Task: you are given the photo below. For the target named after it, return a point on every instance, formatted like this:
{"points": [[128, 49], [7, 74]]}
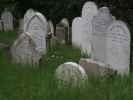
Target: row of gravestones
{"points": [[103, 38], [34, 35], [96, 32], [6, 22]]}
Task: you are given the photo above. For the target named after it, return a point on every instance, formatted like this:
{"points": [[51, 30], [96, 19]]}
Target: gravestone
{"points": [[100, 24], [37, 27], [29, 13], [60, 34], [1, 28], [62, 31], [95, 68], [89, 10], [118, 47], [24, 51], [77, 32], [7, 19], [70, 74], [51, 35]]}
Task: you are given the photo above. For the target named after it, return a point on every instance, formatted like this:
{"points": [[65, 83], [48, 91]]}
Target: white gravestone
{"points": [[118, 47], [71, 74], [77, 32], [23, 50], [7, 19], [29, 13], [37, 26], [100, 24], [89, 10]]}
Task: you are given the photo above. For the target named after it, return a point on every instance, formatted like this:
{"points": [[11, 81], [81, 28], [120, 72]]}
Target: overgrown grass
{"points": [[26, 83], [7, 37]]}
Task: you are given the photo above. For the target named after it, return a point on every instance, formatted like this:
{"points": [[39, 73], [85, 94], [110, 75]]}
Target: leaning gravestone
{"points": [[24, 51], [118, 47], [7, 19], [29, 13], [77, 32], [37, 26], [89, 10], [100, 24], [70, 74]]}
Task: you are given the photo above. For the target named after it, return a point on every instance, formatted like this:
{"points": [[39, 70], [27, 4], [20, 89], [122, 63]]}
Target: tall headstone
{"points": [[37, 26], [29, 13], [77, 32], [7, 19], [118, 47], [89, 10], [100, 24]]}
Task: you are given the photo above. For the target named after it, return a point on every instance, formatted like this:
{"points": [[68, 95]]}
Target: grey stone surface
{"points": [[29, 13], [89, 10], [77, 31], [95, 68], [37, 27], [100, 24], [118, 47], [7, 19], [24, 51], [71, 74]]}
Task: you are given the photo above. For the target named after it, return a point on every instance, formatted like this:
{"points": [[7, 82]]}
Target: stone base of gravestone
{"points": [[70, 75], [94, 68]]}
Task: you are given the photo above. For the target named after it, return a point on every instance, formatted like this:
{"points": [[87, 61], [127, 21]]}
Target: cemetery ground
{"points": [[19, 82]]}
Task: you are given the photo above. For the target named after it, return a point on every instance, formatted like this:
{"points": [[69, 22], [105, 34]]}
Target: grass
{"points": [[26, 83]]}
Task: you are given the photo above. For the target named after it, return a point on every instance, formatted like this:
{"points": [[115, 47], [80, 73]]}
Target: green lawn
{"points": [[26, 83]]}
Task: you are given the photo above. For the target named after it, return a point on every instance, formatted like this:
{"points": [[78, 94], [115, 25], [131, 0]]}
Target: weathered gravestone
{"points": [[100, 24], [70, 74], [118, 47], [89, 10], [62, 31], [95, 68], [7, 19], [29, 13], [24, 50], [37, 26], [51, 39], [1, 28], [77, 31]]}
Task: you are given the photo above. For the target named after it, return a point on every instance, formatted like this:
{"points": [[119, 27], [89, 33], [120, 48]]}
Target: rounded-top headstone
{"points": [[89, 9], [71, 74], [100, 24], [29, 13], [118, 47], [77, 32], [37, 26]]}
